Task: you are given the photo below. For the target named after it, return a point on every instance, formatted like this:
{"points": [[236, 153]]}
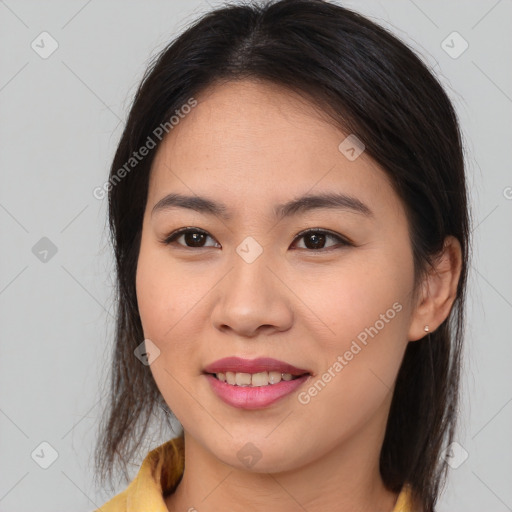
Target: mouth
{"points": [[255, 379], [253, 372], [263, 382]]}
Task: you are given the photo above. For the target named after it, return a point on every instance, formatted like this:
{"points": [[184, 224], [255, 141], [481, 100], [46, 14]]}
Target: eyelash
{"points": [[343, 240]]}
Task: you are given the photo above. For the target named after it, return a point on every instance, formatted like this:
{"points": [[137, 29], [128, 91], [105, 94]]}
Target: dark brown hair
{"points": [[371, 85]]}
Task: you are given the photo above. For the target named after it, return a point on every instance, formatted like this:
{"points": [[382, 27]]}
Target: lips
{"points": [[262, 364]]}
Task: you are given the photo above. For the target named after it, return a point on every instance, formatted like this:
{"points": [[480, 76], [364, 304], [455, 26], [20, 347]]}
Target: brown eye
{"points": [[315, 239], [192, 237]]}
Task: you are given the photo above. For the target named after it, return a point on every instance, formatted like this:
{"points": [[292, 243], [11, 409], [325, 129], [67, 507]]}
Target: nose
{"points": [[253, 298]]}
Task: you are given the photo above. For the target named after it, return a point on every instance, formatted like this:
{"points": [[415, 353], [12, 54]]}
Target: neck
{"points": [[345, 478]]}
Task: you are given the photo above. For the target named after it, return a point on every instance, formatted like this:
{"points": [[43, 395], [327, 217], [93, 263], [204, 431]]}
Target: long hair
{"points": [[371, 85]]}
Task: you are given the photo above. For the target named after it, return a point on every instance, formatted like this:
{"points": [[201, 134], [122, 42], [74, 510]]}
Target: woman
{"points": [[289, 217]]}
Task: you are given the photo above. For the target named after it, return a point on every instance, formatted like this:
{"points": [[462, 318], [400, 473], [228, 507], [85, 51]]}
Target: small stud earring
{"points": [[426, 328]]}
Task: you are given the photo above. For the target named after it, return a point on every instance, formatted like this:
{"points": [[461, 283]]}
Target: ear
{"points": [[439, 289]]}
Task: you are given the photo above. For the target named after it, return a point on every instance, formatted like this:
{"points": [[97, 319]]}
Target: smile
{"points": [[254, 379], [249, 396]]}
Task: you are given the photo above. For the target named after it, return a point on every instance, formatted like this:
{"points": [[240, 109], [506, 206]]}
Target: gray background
{"points": [[60, 119]]}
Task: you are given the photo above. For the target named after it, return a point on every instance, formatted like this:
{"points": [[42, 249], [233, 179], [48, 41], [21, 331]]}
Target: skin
{"points": [[252, 145]]}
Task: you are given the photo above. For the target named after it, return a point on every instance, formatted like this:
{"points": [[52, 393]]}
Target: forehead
{"points": [[250, 143]]}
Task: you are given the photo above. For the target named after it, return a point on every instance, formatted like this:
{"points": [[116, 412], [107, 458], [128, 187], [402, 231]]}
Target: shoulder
{"points": [[158, 475], [117, 504], [405, 501]]}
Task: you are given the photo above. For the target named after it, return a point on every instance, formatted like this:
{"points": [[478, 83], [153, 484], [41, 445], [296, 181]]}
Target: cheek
{"points": [[163, 300], [364, 312], [165, 295], [166, 306], [358, 373], [172, 307], [366, 292], [155, 310]]}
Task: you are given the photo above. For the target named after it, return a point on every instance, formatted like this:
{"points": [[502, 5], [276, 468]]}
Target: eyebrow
{"points": [[328, 200]]}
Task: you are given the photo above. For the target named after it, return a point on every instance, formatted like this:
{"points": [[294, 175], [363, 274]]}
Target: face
{"points": [[327, 289]]}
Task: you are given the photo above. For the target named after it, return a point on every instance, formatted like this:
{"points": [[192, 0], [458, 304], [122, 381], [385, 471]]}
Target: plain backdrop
{"points": [[61, 115]]}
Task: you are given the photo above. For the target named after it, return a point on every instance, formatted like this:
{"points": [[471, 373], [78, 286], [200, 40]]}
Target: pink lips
{"points": [[258, 397]]}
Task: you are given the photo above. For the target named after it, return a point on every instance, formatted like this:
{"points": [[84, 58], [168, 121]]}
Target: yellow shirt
{"points": [[161, 472]]}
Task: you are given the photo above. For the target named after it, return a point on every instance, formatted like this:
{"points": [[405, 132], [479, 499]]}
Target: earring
{"points": [[426, 328]]}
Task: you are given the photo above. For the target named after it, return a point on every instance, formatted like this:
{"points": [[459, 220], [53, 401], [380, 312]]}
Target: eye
{"points": [[194, 236], [315, 239]]}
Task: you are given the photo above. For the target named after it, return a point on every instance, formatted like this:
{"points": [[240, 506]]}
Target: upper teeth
{"points": [[254, 379]]}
